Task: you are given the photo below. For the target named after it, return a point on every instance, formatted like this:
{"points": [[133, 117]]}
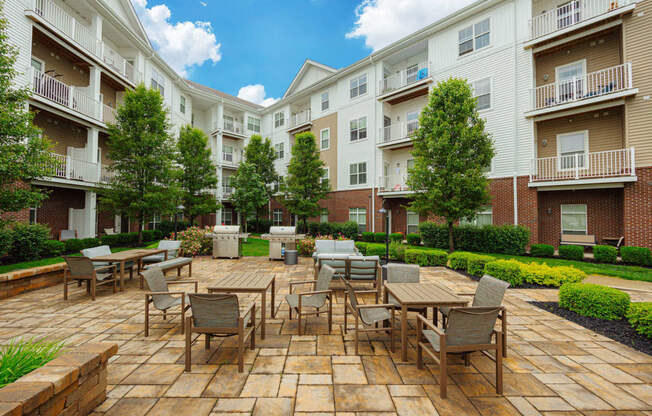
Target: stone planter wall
{"points": [[15, 283], [72, 384]]}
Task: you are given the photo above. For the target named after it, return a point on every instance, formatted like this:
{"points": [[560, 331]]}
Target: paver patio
{"points": [[554, 367]]}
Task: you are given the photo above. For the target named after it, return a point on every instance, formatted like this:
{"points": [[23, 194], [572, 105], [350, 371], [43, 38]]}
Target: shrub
{"points": [[506, 239], [396, 237], [605, 254], [110, 240], [458, 260], [426, 257], [379, 237], [542, 250], [195, 241], [349, 229], [6, 238], [507, 270], [542, 274], [376, 250], [636, 255], [592, 300], [571, 252], [149, 235], [414, 239], [639, 316], [23, 356], [90, 242], [477, 263], [306, 246], [368, 236], [397, 251], [127, 239], [74, 245], [52, 248], [362, 247], [27, 241], [167, 227]]}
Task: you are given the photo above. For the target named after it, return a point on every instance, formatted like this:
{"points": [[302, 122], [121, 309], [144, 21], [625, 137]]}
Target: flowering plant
{"points": [[194, 241]]}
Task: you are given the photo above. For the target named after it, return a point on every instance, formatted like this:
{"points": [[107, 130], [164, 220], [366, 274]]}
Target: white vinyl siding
{"points": [[573, 219], [358, 173], [358, 86]]}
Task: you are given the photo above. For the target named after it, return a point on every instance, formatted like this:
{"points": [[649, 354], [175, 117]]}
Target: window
{"points": [[573, 219], [572, 150], [358, 86], [412, 122], [182, 105], [325, 139], [411, 73], [323, 216], [279, 119], [568, 14], [253, 124], [569, 80], [227, 217], [155, 222], [228, 123], [32, 215], [325, 103], [359, 215], [482, 93], [227, 153], [277, 216], [38, 64], [358, 129], [158, 82], [358, 173], [279, 152], [277, 184], [482, 217], [325, 175], [412, 222], [474, 37]]}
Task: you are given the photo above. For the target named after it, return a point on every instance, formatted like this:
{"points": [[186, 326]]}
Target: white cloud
{"points": [[381, 22], [256, 94], [182, 44], [203, 3]]}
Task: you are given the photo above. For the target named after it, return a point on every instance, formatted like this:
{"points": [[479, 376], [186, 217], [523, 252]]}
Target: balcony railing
{"points": [[300, 118], [109, 114], [227, 191], [570, 14], [74, 169], [393, 183], [404, 78], [397, 132], [595, 84], [230, 159], [63, 94], [610, 163], [106, 175]]}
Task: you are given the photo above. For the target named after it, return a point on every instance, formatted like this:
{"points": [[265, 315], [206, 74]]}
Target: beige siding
{"points": [[109, 94], [61, 132], [59, 60], [328, 156], [103, 144]]}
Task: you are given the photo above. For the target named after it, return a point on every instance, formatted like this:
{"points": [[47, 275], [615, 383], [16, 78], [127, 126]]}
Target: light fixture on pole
{"points": [[180, 208], [384, 212]]}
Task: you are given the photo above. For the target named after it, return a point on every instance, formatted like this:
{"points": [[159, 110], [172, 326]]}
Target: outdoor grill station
{"points": [[281, 239], [227, 241]]}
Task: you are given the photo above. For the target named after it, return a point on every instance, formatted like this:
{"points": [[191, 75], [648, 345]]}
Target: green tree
{"points": [[304, 188], [197, 173], [249, 191], [452, 153], [24, 151], [260, 154], [142, 153]]}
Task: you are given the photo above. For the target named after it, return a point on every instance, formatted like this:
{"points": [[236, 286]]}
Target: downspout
{"points": [[373, 179], [515, 180]]}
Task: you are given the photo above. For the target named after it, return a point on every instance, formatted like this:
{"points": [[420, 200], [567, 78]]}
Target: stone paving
{"points": [[554, 367]]}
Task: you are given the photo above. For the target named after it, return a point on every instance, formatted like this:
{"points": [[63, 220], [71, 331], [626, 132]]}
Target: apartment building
{"points": [[564, 88]]}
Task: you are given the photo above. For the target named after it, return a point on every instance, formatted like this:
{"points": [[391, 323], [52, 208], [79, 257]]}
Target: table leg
{"points": [[404, 329], [385, 301], [122, 276], [263, 311], [273, 300]]}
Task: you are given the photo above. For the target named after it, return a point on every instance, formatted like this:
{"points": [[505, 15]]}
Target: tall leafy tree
{"points": [[260, 153], [452, 153], [197, 175], [304, 188], [249, 191], [142, 152], [24, 151]]}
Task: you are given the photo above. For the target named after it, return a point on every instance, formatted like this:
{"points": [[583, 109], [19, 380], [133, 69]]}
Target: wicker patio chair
{"points": [[468, 329], [315, 299], [82, 269], [219, 315], [404, 273], [370, 315], [162, 298], [105, 250], [489, 292]]}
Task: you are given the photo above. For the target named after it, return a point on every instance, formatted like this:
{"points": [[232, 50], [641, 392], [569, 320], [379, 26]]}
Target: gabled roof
{"points": [[125, 14], [305, 68], [223, 94]]}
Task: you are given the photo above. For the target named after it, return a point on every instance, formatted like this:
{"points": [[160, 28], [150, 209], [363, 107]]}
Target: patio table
{"points": [[419, 295], [250, 282], [123, 257]]}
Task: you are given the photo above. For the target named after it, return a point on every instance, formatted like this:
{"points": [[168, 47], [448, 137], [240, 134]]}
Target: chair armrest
{"points": [[108, 266], [164, 293], [377, 305], [181, 282], [365, 291], [317, 292], [430, 325], [247, 315], [302, 282]]}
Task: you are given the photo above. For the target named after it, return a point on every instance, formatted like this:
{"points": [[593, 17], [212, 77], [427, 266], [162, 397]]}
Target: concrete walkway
{"points": [[639, 290]]}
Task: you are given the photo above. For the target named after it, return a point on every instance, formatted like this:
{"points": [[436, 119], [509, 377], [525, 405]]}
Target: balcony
{"points": [[603, 85], [230, 160], [109, 114], [72, 97], [300, 120], [573, 15], [393, 185], [596, 167], [74, 169], [408, 81], [106, 175], [227, 191], [397, 135]]}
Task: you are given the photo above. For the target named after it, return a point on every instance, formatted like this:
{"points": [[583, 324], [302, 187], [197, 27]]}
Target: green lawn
{"points": [[255, 247]]}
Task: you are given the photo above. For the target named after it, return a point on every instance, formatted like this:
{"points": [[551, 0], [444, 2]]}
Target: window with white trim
{"points": [[279, 119], [227, 153], [279, 151], [412, 120], [482, 93], [227, 216], [482, 217], [573, 219], [325, 139], [38, 64], [155, 222], [33, 215], [412, 222], [358, 86], [182, 104], [359, 215], [358, 129], [323, 215], [325, 101], [228, 123], [158, 82], [325, 175], [253, 124], [358, 173], [277, 217], [474, 37], [572, 149]]}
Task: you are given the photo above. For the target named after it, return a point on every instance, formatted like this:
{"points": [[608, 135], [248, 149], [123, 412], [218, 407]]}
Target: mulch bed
{"points": [[619, 331]]}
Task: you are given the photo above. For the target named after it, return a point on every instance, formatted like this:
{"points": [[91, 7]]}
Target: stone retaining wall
{"points": [[72, 384], [15, 283]]}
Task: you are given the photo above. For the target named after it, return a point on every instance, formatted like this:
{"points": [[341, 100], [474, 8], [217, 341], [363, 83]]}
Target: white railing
{"points": [[404, 78], [106, 175], [233, 127], [109, 114], [570, 14], [393, 183], [63, 94], [114, 59], [397, 131], [604, 164], [595, 84], [230, 159], [302, 117], [74, 169], [227, 191]]}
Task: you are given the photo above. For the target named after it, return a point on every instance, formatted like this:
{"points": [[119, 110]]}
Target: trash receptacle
{"points": [[291, 257]]}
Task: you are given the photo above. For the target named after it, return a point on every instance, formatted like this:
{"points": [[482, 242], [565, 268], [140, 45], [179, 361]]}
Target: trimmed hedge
{"points": [[605, 254], [595, 301], [571, 252], [379, 237], [396, 237], [348, 229], [6, 239], [477, 263], [458, 260], [27, 241], [542, 274], [52, 248], [639, 316], [426, 257], [90, 242], [397, 251], [414, 239], [507, 270], [542, 250], [507, 239], [74, 245], [636, 255], [368, 236], [362, 247], [375, 250]]}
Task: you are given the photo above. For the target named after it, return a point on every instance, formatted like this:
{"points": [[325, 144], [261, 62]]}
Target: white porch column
{"points": [[92, 143], [90, 214], [96, 30], [95, 79], [220, 115]]}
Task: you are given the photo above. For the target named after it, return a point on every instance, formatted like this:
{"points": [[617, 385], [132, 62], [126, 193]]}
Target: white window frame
{"points": [[33, 210], [474, 37], [229, 122], [321, 138], [154, 222], [407, 122], [224, 216], [323, 215], [327, 176], [356, 80], [585, 213], [358, 129], [40, 61], [491, 87], [227, 156], [584, 162], [182, 104], [277, 217], [253, 122], [279, 151], [485, 210], [157, 82], [558, 83], [358, 173], [326, 101], [279, 119], [354, 215], [409, 214]]}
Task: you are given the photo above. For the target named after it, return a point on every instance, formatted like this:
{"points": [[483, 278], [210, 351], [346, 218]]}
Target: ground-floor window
{"points": [[277, 217], [154, 223], [32, 215], [573, 219], [412, 222], [482, 217], [359, 215], [227, 217], [323, 216]]}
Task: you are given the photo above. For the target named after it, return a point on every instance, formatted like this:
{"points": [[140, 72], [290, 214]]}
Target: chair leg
{"points": [[356, 334], [443, 381], [207, 342], [504, 332], [346, 309], [467, 358], [65, 285], [330, 315], [240, 353], [93, 287], [189, 269], [183, 318], [146, 316], [299, 321], [188, 342], [391, 333], [178, 271], [419, 347], [499, 366], [115, 284]]}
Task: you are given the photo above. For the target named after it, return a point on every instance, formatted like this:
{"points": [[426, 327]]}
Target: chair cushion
{"points": [[445, 310], [345, 246], [171, 263], [168, 301], [154, 258], [372, 315], [433, 338], [313, 301], [97, 251], [324, 246]]}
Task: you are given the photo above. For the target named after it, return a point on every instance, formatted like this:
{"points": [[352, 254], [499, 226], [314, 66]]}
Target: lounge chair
{"points": [[162, 299], [315, 299], [82, 269]]}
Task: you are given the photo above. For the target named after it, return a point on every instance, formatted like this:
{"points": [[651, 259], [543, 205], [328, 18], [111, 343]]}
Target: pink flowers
{"points": [[195, 241]]}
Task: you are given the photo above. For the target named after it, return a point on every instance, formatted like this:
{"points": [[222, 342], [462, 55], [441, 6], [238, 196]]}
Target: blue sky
{"points": [[253, 48]]}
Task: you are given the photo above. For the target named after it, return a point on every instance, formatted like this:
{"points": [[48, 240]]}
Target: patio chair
{"points": [[404, 273], [315, 299], [82, 269], [172, 247], [109, 231], [370, 315], [162, 298], [67, 235], [490, 293], [468, 329], [365, 269], [219, 315], [106, 251]]}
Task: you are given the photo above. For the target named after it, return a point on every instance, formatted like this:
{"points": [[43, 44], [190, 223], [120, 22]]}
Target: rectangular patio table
{"points": [[419, 295], [249, 282], [123, 257]]}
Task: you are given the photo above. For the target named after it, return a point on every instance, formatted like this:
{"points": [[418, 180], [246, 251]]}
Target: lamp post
{"points": [[384, 212], [180, 208]]}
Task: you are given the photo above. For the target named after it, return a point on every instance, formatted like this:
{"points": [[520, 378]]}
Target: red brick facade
{"points": [[54, 211], [637, 211]]}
